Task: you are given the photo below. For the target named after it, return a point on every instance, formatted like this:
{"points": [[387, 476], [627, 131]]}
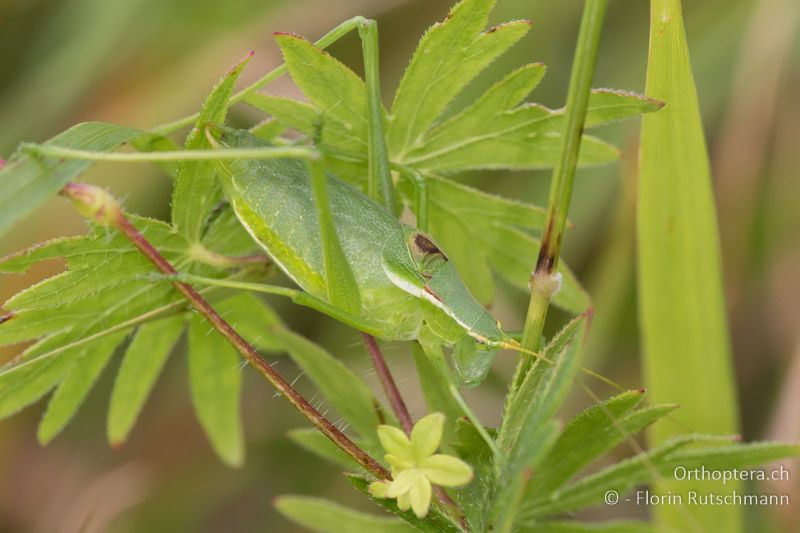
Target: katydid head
{"points": [[427, 256]]}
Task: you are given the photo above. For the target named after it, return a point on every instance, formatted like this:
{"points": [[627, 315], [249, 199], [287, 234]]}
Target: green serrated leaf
{"points": [[268, 129], [104, 268], [337, 383], [544, 386], [298, 115], [435, 378], [254, 320], [312, 440], [620, 477], [215, 378], [434, 522], [592, 433], [534, 443], [490, 108], [196, 186], [448, 57], [338, 93], [76, 385], [28, 180], [322, 515], [141, 366], [610, 105], [25, 383], [514, 152], [62, 247]]}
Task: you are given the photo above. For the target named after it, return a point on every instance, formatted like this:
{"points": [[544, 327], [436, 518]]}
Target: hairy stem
{"points": [[326, 40], [388, 383], [544, 279], [92, 200]]}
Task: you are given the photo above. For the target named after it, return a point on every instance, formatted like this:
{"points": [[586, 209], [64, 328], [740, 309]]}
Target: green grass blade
{"points": [[76, 385], [196, 187], [144, 359], [29, 180], [215, 379], [682, 312], [318, 514]]}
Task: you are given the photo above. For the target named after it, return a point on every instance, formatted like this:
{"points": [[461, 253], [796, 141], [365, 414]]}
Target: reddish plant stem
{"points": [[111, 214], [388, 383], [401, 412]]}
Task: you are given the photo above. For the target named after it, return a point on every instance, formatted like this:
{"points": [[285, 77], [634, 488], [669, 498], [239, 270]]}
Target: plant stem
{"points": [[271, 152], [380, 184], [545, 280], [326, 40], [86, 196], [388, 383]]}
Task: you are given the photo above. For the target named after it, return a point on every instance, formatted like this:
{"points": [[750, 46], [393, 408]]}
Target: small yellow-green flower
{"points": [[415, 465]]}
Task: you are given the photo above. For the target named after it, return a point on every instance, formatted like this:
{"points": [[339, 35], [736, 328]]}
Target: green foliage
{"points": [[459, 216], [680, 277], [338, 384], [29, 180], [196, 186], [399, 283], [215, 380], [322, 515], [144, 359]]}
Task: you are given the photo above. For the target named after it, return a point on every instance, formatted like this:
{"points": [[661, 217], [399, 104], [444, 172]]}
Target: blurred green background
{"points": [[144, 62]]}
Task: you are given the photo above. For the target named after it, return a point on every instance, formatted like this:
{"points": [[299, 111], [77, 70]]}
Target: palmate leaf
{"points": [[28, 180], [448, 57], [82, 314]]}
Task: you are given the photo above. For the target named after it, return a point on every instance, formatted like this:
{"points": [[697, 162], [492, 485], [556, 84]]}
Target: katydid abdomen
{"points": [[404, 280]]}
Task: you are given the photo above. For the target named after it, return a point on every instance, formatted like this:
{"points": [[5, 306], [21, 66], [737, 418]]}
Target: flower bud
{"points": [[94, 203]]}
